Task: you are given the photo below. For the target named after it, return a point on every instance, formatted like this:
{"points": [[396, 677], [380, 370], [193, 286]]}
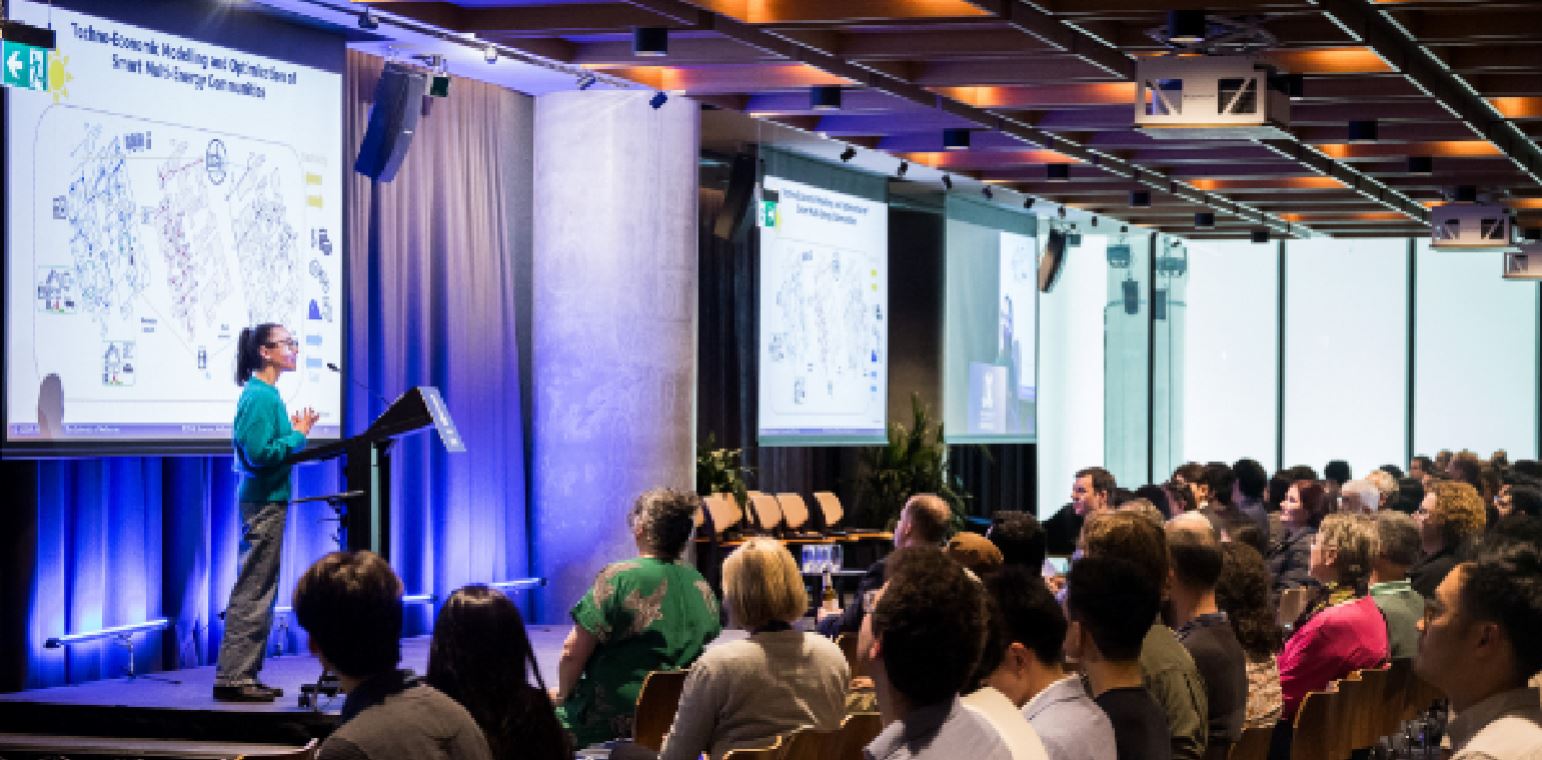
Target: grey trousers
{"points": [[249, 615]]}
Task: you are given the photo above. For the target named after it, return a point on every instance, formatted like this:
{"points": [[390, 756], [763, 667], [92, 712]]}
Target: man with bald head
{"points": [[923, 521], [1194, 568]]}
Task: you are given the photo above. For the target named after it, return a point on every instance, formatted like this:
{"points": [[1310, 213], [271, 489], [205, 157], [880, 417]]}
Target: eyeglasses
{"points": [[292, 343]]}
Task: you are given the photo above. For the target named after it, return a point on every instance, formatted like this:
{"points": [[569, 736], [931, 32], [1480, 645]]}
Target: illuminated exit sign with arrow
{"points": [[24, 55]]}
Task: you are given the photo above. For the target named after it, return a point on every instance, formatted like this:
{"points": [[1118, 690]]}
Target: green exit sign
{"points": [[24, 55]]}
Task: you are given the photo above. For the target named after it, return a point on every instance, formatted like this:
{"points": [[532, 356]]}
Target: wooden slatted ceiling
{"points": [[1062, 66]]}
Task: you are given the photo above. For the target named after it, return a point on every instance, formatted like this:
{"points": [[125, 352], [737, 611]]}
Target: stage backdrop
{"points": [[99, 542]]}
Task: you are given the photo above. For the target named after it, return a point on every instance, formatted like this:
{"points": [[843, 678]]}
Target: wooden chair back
{"points": [[810, 744], [1353, 720], [1315, 727], [656, 704], [794, 510], [848, 644], [768, 514], [829, 508], [1400, 678], [1372, 709], [857, 731], [773, 752], [725, 512], [1253, 745]]}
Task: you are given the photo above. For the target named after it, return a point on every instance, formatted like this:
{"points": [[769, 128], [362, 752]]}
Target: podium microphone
{"points": [[384, 404]]}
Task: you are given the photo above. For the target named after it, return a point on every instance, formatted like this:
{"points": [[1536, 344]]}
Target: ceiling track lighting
{"points": [[824, 98], [1205, 220], [1028, 202], [1260, 234], [1140, 198], [1057, 172], [658, 100], [1187, 27], [955, 139], [904, 166], [586, 79], [1094, 221], [988, 193], [650, 41], [368, 21], [1362, 131], [1061, 212], [848, 154], [947, 182], [490, 53], [1421, 165], [1465, 194]]}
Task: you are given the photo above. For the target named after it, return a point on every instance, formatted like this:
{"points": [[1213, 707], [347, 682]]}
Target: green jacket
{"points": [[263, 440]]}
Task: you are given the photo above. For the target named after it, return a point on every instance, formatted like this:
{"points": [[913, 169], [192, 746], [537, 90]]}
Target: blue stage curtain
{"points": [[119, 540]]}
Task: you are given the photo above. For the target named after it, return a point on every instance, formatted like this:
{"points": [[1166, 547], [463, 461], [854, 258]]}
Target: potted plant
{"points": [[720, 470], [915, 460]]}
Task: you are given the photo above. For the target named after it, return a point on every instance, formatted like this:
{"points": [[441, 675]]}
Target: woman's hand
{"points": [[304, 419]]}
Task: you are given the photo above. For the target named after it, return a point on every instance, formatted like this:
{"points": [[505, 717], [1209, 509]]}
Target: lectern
{"points": [[366, 502]]}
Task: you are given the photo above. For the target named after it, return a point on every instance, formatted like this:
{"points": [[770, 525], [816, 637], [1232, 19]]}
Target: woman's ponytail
{"points": [[249, 350]]}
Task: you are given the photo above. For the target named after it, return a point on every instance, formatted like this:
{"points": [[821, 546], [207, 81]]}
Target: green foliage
{"points": [[719, 470], [914, 461]]}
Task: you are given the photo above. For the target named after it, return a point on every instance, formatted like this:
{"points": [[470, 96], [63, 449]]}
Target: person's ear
{"points": [[1017, 657], [875, 652]]}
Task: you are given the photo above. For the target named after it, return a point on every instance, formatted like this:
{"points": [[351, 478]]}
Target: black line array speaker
{"points": [[1052, 263], [741, 189], [392, 120]]}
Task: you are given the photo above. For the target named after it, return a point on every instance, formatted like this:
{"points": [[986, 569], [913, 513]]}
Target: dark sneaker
{"points": [[249, 692]]}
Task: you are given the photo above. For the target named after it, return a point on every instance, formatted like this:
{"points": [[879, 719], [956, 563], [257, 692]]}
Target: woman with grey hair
{"points": [[1398, 548], [642, 614]]}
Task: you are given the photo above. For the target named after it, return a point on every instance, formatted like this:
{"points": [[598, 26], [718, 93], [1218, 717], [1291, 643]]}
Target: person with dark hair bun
{"points": [[264, 437], [482, 658], [1243, 593]]}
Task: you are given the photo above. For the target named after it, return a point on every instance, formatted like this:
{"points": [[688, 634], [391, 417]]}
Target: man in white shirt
{"points": [[1002, 673], [1480, 647]]}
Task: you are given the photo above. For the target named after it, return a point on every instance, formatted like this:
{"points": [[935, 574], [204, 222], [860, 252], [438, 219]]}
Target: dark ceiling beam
{"points": [[1394, 43]]}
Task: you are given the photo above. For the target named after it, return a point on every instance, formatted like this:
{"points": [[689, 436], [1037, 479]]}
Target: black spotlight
{"points": [[1465, 194], [848, 154], [1421, 165], [1533, 234], [1061, 212], [650, 41], [947, 182], [1057, 172], [658, 100], [1204, 220], [1094, 221], [1124, 229], [1028, 202], [1186, 27], [1293, 85], [904, 166], [824, 98], [1362, 131], [1140, 198], [1260, 234], [988, 193], [955, 139], [368, 21]]}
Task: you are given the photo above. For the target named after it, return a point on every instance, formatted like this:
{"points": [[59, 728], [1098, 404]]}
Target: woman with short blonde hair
{"points": [[743, 694]]}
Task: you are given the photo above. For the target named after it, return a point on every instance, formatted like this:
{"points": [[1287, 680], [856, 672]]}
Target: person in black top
{"points": [[1205, 631], [1451, 519], [1110, 603]]}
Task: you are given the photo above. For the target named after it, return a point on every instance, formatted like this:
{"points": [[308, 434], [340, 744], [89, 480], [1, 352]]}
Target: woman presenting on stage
{"points": [[264, 437]]}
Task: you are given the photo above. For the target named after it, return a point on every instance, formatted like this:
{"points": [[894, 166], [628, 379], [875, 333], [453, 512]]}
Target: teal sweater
{"points": [[263, 440]]}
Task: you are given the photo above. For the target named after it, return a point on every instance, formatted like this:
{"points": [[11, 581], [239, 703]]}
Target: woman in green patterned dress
{"points": [[643, 614]]}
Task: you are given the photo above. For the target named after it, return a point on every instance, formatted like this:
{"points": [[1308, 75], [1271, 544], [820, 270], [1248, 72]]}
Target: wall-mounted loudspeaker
{"points": [[1053, 260], [392, 120], [736, 200]]}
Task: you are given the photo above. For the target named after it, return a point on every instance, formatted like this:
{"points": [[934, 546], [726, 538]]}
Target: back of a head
{"points": [[1243, 594], [1130, 536], [1467, 470], [1504, 585], [1252, 479], [1116, 601], [1386, 485], [1302, 472], [1397, 538], [482, 658], [1410, 491], [1460, 511], [1024, 610], [1190, 473], [1360, 496], [929, 517], [1157, 495], [1020, 538], [762, 585], [1220, 478], [975, 552], [930, 624], [664, 518], [1530, 468], [1314, 500], [1353, 537], [1146, 509], [1195, 554], [350, 603], [1393, 470], [1337, 471], [1526, 500], [1278, 485]]}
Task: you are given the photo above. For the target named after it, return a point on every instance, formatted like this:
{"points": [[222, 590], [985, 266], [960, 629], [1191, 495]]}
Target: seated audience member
{"points": [[350, 604], [481, 657], [1393, 470], [1443, 460], [1092, 493], [920, 644], [923, 521], [1334, 476], [1168, 669], [1242, 592], [1204, 630], [1467, 469], [1004, 678], [1410, 494], [1157, 495], [1305, 505], [1221, 484], [1343, 631], [1450, 518], [1180, 498], [1386, 488], [1420, 468], [975, 552], [743, 694], [1145, 509], [1020, 538], [643, 614], [1024, 661], [1108, 602], [1249, 492], [1519, 500], [1529, 468], [1397, 540], [1191, 476], [1359, 497], [1480, 646]]}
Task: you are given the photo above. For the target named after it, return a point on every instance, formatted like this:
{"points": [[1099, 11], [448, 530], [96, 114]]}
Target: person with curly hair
{"points": [[643, 614], [1342, 631], [1451, 518], [1243, 594]]}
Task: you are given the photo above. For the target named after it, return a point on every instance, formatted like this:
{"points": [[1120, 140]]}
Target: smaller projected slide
{"points": [[989, 372], [162, 194], [824, 331]]}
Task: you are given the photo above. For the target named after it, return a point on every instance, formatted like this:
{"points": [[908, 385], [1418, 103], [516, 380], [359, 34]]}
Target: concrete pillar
{"points": [[613, 325]]}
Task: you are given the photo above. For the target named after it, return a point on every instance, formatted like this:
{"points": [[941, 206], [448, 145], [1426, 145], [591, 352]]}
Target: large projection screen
{"points": [[166, 191], [990, 352], [824, 322]]}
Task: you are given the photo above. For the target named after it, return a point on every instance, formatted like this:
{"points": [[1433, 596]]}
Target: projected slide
{"points": [[989, 372], [161, 195], [823, 316]]}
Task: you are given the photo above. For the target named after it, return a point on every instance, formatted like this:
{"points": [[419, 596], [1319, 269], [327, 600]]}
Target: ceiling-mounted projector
{"points": [[1525, 264], [1470, 227], [1209, 98]]}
